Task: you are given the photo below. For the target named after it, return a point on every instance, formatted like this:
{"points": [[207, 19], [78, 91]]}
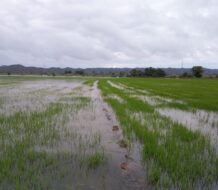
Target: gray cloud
{"points": [[110, 33]]}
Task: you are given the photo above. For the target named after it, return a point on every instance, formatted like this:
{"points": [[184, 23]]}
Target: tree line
{"points": [[196, 71], [148, 72]]}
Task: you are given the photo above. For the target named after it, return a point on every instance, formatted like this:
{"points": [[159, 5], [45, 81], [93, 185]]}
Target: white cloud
{"points": [[96, 33]]}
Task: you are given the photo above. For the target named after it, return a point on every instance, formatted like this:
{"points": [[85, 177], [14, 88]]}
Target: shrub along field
{"points": [[54, 134]]}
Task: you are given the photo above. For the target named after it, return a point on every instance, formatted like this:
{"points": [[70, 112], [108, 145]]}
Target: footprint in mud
{"points": [[129, 162], [107, 114], [124, 166], [105, 110], [108, 117], [128, 157], [132, 172], [115, 128]]}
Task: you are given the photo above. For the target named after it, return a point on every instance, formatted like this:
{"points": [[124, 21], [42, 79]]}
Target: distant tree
{"points": [[94, 73], [160, 73], [67, 72], [152, 72], [53, 74], [113, 74], [197, 71], [186, 75], [79, 72], [9, 73], [136, 73], [121, 74], [149, 72], [133, 73]]}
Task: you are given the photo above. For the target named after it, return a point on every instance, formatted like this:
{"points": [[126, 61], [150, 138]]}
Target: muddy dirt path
{"points": [[124, 163], [123, 168]]}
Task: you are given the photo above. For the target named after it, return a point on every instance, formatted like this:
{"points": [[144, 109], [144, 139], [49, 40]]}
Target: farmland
{"points": [[108, 133], [179, 140]]}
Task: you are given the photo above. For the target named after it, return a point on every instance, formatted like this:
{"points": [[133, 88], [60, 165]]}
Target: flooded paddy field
{"points": [[61, 134], [176, 122], [107, 133]]}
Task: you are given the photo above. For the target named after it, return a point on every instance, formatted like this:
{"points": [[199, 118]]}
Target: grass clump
{"points": [[123, 143], [94, 160], [89, 82]]}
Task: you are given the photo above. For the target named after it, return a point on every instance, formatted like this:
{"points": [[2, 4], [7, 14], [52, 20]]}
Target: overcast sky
{"points": [[109, 33]]}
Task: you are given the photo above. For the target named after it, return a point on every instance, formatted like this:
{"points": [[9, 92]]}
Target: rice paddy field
{"points": [[108, 133]]}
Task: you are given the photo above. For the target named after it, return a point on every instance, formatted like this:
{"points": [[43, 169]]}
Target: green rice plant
{"points": [[20, 133], [27, 139], [174, 156], [90, 81], [196, 93], [94, 160]]}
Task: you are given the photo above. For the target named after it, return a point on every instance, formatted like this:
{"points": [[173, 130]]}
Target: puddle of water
{"points": [[116, 97], [121, 87], [147, 99], [118, 86], [169, 100], [128, 88], [34, 95], [155, 100], [143, 91], [205, 122], [152, 100]]}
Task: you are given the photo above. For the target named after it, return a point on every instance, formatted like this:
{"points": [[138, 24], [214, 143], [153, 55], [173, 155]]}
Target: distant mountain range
{"points": [[20, 69]]}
